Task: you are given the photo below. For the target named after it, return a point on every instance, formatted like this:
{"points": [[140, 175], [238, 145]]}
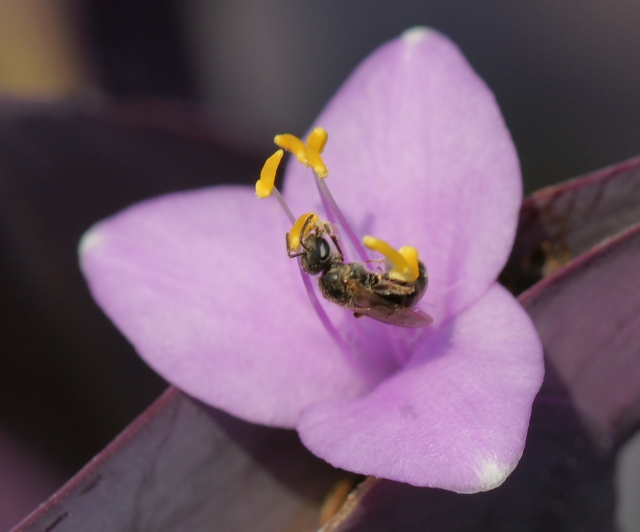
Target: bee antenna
{"points": [[306, 223], [304, 230]]}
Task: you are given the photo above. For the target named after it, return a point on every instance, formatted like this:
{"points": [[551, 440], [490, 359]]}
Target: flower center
{"points": [[387, 295]]}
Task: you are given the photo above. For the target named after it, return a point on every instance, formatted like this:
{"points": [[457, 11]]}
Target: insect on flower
{"points": [[388, 295]]}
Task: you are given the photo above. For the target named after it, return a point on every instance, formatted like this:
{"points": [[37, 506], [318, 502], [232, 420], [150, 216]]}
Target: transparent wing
{"points": [[371, 304]]}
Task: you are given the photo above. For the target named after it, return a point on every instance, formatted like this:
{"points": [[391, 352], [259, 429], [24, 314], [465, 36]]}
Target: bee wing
{"points": [[369, 303], [402, 317], [387, 287]]}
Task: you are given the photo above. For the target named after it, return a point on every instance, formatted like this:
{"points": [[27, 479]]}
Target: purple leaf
{"points": [[26, 479], [565, 220], [183, 466], [588, 316]]}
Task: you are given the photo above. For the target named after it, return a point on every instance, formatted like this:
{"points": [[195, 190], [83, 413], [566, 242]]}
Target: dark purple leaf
{"points": [[588, 316], [184, 466], [565, 220], [25, 479]]}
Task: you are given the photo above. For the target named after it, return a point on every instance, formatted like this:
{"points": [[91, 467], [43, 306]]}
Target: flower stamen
{"points": [[305, 223], [293, 144], [265, 186], [310, 155], [266, 183], [332, 209], [322, 315], [316, 142], [405, 260]]}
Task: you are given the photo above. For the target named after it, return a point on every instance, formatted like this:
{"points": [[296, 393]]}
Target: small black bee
{"points": [[354, 286]]}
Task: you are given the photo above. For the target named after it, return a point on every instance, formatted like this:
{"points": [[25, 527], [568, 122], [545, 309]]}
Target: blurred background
{"points": [[106, 102]]}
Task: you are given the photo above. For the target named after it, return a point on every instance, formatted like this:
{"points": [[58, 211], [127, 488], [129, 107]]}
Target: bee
{"points": [[354, 286]]}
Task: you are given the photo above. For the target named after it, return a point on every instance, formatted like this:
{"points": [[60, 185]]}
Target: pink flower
{"points": [[200, 283]]}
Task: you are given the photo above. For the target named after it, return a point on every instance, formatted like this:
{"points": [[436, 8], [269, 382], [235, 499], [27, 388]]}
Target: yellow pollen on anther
{"points": [[295, 235], [264, 185], [316, 142], [308, 154], [405, 260], [293, 144], [317, 139]]}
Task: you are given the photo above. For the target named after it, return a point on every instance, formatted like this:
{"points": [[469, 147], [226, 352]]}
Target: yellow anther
{"points": [[308, 155], [315, 145], [410, 254], [316, 162], [295, 235], [317, 139], [405, 260], [294, 145], [264, 185]]}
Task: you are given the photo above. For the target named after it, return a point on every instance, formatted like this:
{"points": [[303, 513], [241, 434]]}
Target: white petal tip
{"points": [[89, 241], [491, 474], [414, 35]]}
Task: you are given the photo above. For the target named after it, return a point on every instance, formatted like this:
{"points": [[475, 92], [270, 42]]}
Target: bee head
{"points": [[318, 256]]}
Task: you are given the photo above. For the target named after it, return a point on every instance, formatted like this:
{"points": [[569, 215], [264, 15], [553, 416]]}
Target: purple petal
{"points": [[419, 154], [200, 284], [455, 417]]}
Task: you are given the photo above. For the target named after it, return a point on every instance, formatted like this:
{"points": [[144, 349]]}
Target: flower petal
{"points": [[418, 154], [200, 284], [455, 417]]}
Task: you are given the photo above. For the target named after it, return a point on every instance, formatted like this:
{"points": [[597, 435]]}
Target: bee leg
{"points": [[304, 226], [286, 236], [303, 240], [334, 238], [290, 252]]}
